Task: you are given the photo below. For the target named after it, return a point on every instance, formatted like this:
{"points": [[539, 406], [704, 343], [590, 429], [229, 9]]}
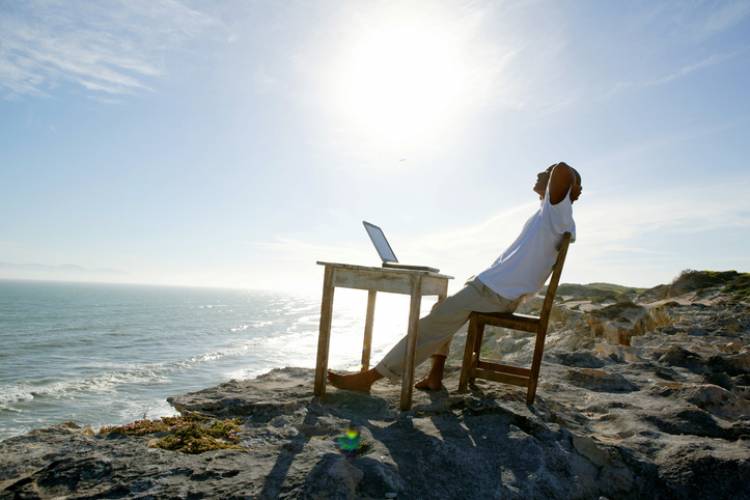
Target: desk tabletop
{"points": [[384, 270]]}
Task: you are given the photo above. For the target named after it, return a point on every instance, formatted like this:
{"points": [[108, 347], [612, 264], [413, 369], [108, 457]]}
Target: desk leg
{"points": [[367, 343], [324, 334], [407, 377]]}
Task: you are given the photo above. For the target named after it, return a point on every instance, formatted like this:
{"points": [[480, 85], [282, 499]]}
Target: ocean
{"points": [[107, 354]]}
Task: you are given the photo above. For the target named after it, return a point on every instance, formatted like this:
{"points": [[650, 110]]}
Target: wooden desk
{"points": [[376, 279]]}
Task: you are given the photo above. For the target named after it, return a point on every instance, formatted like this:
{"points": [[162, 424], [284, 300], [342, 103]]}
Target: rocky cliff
{"points": [[644, 393]]}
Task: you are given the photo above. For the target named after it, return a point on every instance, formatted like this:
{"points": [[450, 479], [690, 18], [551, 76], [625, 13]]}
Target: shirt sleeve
{"points": [[560, 216]]}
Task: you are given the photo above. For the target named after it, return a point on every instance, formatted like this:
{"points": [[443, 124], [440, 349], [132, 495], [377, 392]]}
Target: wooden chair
{"points": [[473, 367]]}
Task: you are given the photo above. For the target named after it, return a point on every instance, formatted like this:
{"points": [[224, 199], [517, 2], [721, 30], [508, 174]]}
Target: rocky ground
{"points": [[644, 394]]}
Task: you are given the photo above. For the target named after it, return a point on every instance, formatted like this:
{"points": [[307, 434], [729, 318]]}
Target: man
{"points": [[519, 272]]}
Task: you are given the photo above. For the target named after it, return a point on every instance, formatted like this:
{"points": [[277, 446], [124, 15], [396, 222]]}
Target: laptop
{"points": [[386, 252]]}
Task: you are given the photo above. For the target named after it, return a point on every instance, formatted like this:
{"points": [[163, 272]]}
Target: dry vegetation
{"points": [[187, 434]]}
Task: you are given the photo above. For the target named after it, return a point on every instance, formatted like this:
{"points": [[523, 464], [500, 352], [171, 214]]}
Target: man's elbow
{"points": [[561, 181]]}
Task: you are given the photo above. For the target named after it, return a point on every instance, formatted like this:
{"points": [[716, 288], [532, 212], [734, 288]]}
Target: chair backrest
{"points": [[549, 298]]}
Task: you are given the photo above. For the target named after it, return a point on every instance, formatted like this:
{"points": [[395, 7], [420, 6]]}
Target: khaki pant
{"points": [[446, 318]]}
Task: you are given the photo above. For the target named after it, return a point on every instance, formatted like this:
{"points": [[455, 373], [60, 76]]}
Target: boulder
{"points": [[619, 322], [600, 380]]}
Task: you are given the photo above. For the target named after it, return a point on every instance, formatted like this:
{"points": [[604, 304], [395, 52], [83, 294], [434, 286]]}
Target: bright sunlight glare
{"points": [[403, 82]]}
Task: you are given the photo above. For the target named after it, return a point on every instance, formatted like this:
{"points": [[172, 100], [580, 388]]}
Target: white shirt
{"points": [[527, 263]]}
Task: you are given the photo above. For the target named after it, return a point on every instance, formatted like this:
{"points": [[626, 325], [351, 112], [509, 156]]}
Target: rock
{"points": [[719, 378], [737, 364], [333, 478], [716, 400], [591, 433], [380, 478], [694, 422], [692, 471], [486, 444], [589, 449], [619, 322], [679, 356], [320, 426], [270, 395], [697, 332], [279, 421], [665, 373], [600, 380], [65, 476], [580, 359], [733, 347]]}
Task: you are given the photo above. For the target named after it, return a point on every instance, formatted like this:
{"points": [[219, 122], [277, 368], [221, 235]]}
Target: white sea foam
{"points": [[253, 324], [158, 373], [104, 383], [108, 382], [13, 394]]}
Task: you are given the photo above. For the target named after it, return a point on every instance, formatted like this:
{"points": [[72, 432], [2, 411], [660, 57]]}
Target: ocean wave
{"points": [[148, 373], [152, 373], [294, 340], [105, 383], [14, 394], [252, 324]]}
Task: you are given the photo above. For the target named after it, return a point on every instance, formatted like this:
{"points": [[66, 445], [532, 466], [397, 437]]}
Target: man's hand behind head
{"points": [[563, 177]]}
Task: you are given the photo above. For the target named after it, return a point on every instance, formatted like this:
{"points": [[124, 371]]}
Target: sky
{"points": [[236, 143]]}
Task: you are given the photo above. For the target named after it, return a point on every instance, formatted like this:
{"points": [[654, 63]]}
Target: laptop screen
{"points": [[381, 244]]}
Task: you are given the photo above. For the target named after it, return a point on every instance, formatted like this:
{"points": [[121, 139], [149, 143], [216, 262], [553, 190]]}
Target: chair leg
{"points": [[531, 392], [466, 366], [477, 347], [478, 338], [536, 364]]}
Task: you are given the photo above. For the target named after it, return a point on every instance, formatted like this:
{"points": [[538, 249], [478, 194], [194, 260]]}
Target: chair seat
{"points": [[473, 367], [523, 322]]}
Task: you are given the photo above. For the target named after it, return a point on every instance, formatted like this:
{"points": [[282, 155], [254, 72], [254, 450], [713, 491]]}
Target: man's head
{"points": [[542, 180]]}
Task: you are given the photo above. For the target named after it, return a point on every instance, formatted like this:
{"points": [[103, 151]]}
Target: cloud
{"points": [[725, 16], [695, 21], [651, 45], [107, 49], [621, 238], [671, 76], [609, 226]]}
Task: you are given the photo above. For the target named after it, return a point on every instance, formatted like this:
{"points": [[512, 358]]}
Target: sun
{"points": [[401, 82]]}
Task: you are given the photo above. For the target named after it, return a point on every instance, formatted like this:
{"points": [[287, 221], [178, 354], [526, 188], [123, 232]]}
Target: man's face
{"points": [[542, 178]]}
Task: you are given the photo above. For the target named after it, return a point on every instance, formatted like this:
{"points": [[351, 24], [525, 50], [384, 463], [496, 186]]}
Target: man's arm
{"points": [[561, 178]]}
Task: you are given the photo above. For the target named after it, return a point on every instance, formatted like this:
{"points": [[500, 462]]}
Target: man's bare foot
{"points": [[434, 380], [360, 382], [429, 384]]}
